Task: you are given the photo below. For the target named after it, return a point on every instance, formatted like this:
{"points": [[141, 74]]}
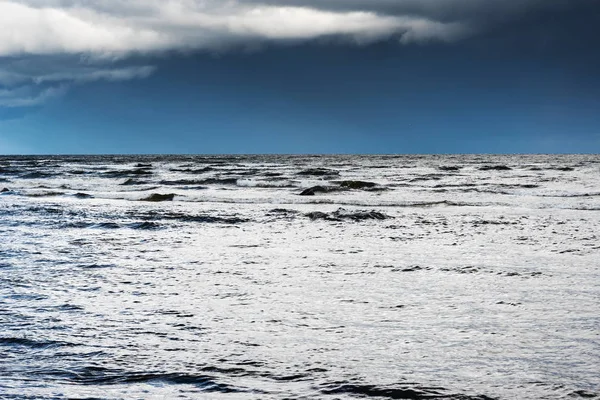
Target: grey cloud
{"points": [[105, 30], [29, 96], [121, 27], [440, 10], [113, 27], [37, 70], [31, 81], [40, 32], [93, 74]]}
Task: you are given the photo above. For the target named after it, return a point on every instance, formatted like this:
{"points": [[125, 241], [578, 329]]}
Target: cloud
{"points": [[37, 70], [28, 96], [89, 74], [102, 31], [143, 26], [110, 26], [32, 81]]}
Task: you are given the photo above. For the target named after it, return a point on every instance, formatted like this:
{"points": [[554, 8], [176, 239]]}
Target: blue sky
{"points": [[343, 76]]}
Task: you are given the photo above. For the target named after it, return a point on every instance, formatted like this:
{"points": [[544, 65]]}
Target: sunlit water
{"points": [[454, 277]]}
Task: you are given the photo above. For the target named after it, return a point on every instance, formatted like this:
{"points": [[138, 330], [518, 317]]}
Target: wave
{"points": [[405, 391], [127, 173], [341, 202], [564, 169], [156, 197], [190, 218], [192, 170], [81, 195], [584, 394], [143, 165], [342, 214], [449, 168], [79, 172], [31, 343], [318, 172], [9, 171], [571, 195], [131, 181], [144, 225], [181, 182], [240, 182], [106, 376], [498, 185], [219, 181], [44, 194], [36, 175], [495, 168], [265, 184]]}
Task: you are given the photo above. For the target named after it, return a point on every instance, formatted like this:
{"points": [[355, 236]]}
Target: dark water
{"points": [[409, 277]]}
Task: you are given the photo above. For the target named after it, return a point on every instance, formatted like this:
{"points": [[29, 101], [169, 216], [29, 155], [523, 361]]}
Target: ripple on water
{"points": [[31, 343], [96, 375], [405, 391]]}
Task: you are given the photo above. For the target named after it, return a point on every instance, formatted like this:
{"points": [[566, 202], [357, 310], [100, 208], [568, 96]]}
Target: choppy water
{"points": [[412, 277]]}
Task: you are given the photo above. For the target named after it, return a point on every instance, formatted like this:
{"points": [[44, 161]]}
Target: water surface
{"points": [[398, 277]]}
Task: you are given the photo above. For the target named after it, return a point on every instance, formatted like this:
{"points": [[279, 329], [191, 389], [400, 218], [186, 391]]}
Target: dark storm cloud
{"points": [[102, 31], [444, 10], [117, 27]]}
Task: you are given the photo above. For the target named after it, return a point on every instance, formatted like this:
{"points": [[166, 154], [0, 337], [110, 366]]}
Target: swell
{"points": [[357, 203], [405, 391], [145, 225], [99, 376], [196, 218], [31, 343]]}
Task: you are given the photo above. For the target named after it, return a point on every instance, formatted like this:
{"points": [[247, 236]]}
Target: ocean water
{"points": [[392, 277]]}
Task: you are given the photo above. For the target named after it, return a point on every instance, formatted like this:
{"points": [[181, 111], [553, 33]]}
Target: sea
{"points": [[456, 277]]}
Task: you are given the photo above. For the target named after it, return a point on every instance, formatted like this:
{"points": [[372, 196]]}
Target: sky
{"points": [[299, 76]]}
